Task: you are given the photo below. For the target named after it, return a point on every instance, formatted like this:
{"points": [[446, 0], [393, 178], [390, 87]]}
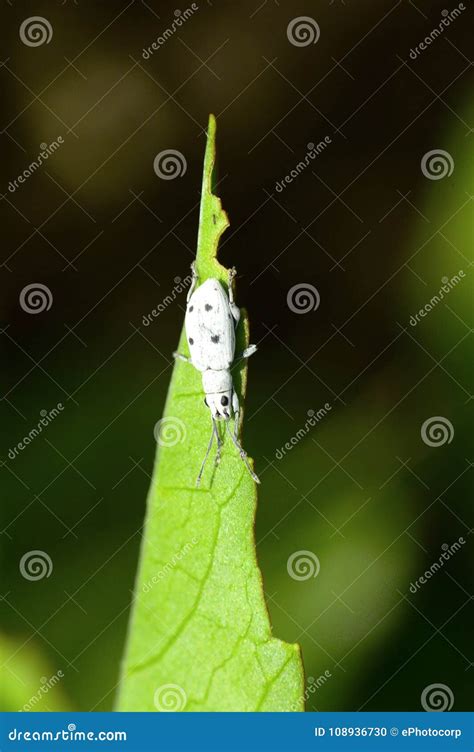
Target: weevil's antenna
{"points": [[218, 455], [243, 454], [219, 443]]}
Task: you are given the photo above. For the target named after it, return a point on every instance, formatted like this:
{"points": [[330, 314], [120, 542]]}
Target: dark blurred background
{"points": [[362, 224]]}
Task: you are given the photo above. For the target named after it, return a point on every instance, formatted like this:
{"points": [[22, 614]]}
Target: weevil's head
{"points": [[218, 388], [219, 404]]}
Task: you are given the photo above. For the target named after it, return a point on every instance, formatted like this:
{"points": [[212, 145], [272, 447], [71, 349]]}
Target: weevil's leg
{"points": [[230, 279], [250, 350], [193, 282], [179, 356], [234, 309], [236, 411], [243, 454], [198, 480]]}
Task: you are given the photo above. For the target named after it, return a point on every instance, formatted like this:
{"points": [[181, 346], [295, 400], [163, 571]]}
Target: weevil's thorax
{"points": [[218, 388], [214, 382]]}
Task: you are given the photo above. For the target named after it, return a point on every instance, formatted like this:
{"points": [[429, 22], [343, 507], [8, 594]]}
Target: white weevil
{"points": [[210, 322]]}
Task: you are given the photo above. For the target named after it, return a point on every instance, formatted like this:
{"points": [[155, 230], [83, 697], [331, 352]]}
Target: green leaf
{"points": [[200, 636], [27, 681]]}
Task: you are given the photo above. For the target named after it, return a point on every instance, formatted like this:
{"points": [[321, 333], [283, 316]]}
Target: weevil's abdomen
{"points": [[210, 328]]}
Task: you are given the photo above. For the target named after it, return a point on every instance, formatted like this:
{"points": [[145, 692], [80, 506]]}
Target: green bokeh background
{"points": [[344, 493]]}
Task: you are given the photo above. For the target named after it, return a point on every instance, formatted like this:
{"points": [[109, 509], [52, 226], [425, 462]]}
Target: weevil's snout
{"points": [[219, 405]]}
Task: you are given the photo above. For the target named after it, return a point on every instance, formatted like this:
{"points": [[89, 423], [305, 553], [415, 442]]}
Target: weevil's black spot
{"points": [[215, 338], [208, 307], [190, 308], [214, 219], [224, 400], [191, 341]]}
